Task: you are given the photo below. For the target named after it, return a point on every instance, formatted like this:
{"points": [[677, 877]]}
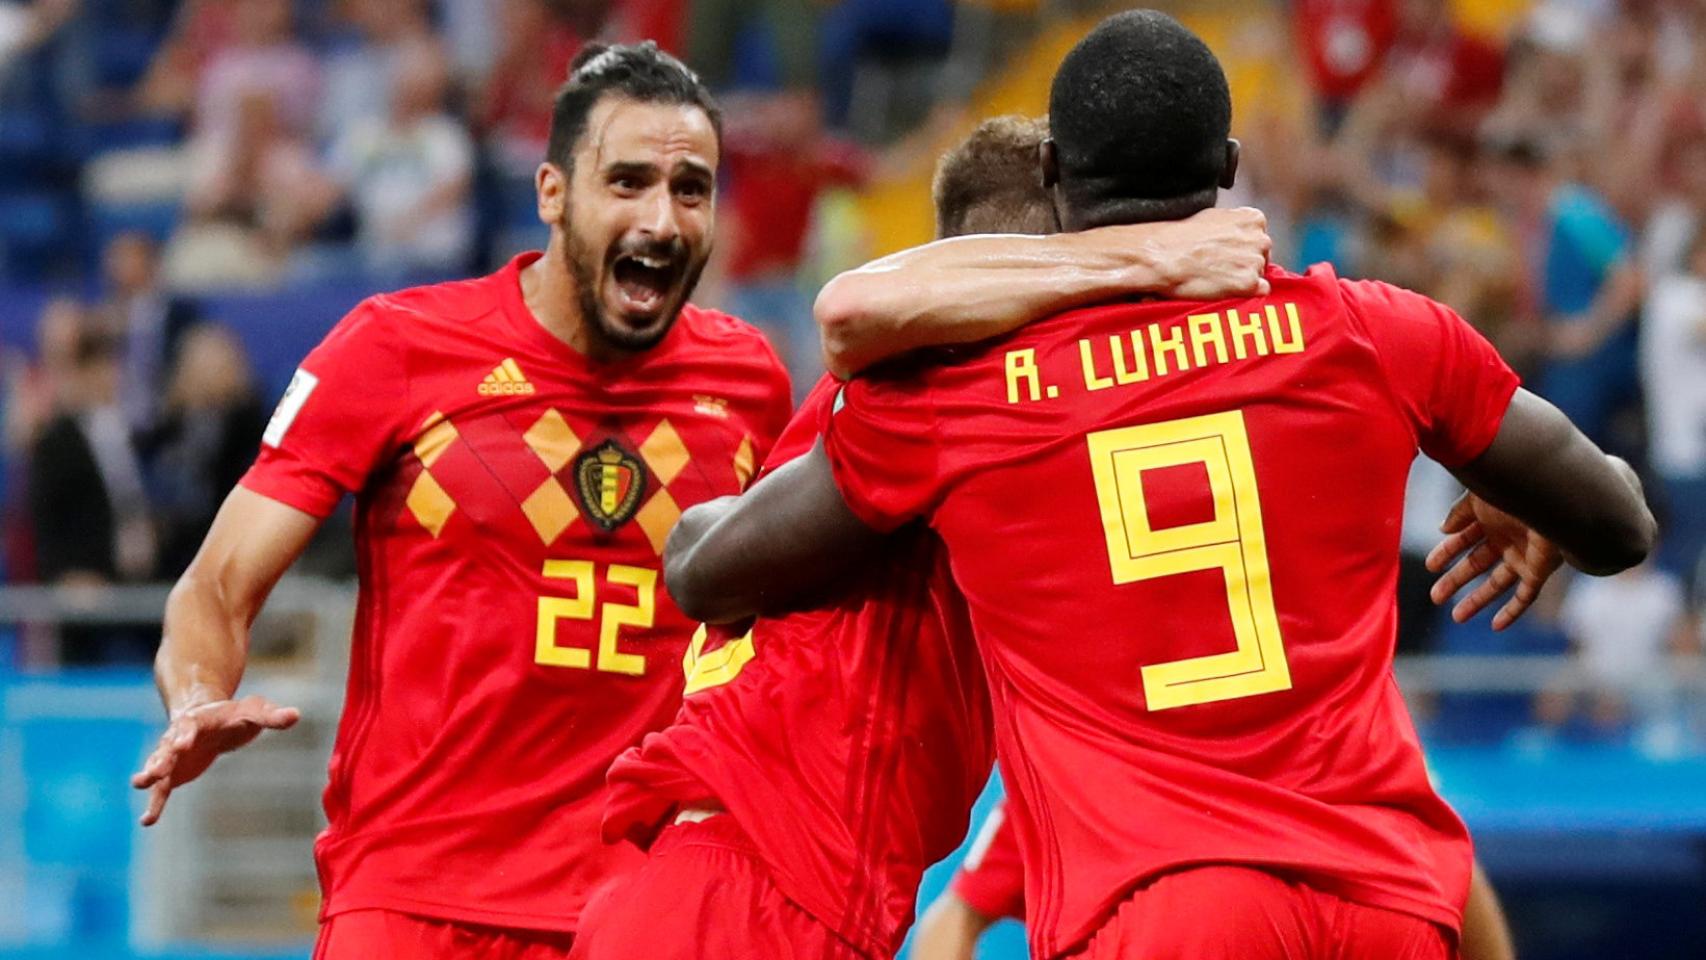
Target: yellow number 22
{"points": [[1231, 542], [615, 616]]}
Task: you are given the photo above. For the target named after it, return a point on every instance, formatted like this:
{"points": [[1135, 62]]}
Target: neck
{"points": [[551, 294]]}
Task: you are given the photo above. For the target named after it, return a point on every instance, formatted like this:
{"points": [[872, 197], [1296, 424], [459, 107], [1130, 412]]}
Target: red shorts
{"points": [[376, 934], [1240, 913], [703, 892]]}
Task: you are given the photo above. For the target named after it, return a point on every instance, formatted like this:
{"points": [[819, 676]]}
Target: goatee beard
{"points": [[607, 332]]}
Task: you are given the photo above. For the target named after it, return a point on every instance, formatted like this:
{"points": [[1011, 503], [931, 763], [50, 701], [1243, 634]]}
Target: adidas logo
{"points": [[506, 380]]}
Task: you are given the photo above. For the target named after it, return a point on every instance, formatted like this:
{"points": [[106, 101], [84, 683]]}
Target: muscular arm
{"points": [[768, 549], [1486, 935], [253, 540], [967, 289], [1545, 472]]}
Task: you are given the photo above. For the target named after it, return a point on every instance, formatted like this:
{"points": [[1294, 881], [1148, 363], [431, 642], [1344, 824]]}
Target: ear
{"points": [[551, 192], [1048, 159], [1229, 174]]}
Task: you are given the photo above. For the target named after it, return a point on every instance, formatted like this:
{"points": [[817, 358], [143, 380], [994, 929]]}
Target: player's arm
{"points": [[949, 929], [966, 289], [1544, 471], [254, 539], [767, 550], [1486, 934]]}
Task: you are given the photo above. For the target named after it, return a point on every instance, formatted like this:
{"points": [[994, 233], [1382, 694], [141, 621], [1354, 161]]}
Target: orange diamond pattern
{"points": [[743, 461], [657, 518], [665, 453], [552, 440], [550, 509], [427, 501]]}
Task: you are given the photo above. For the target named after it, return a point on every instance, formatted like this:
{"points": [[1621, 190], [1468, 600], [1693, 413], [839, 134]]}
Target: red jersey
{"points": [[991, 879], [511, 633], [849, 742], [1176, 526]]}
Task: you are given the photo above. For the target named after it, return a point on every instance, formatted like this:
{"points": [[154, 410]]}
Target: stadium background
{"points": [[193, 191]]}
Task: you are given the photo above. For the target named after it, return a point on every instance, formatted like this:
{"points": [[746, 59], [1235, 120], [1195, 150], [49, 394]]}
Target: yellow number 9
{"points": [[1231, 542]]}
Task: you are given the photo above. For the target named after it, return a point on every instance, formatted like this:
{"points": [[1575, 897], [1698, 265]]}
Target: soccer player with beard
{"points": [[822, 761], [519, 446], [1175, 530]]}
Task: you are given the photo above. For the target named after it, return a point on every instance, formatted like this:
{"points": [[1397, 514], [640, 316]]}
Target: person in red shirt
{"points": [[519, 446], [1175, 526], [989, 886], [822, 761]]}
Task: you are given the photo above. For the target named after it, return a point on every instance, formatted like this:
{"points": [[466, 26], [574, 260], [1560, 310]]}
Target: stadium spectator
{"points": [[409, 175], [1673, 368], [536, 43], [147, 320], [250, 208], [1574, 244], [87, 499], [779, 161], [210, 426], [1620, 631], [361, 72], [224, 53]]}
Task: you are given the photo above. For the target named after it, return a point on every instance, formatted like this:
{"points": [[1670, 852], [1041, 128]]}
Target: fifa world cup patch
{"points": [[302, 383], [609, 481]]}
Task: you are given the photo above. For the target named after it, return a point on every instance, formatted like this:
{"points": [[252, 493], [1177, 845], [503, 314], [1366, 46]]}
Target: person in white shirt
{"points": [[1673, 371], [409, 176]]}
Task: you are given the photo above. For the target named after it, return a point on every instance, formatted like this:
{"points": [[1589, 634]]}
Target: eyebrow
{"points": [[695, 167]]}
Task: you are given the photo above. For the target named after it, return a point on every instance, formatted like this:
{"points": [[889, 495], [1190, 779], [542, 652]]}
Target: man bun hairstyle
{"points": [[1140, 111], [636, 71], [992, 183]]}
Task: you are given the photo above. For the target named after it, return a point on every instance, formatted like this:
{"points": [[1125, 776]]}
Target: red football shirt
{"points": [[1176, 526], [511, 634], [991, 880], [849, 742]]}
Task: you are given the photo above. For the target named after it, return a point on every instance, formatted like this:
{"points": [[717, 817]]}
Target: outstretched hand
{"points": [[1220, 253], [1481, 538], [197, 736]]}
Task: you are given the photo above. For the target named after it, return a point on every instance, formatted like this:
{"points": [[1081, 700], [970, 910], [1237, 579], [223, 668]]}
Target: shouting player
{"points": [[519, 447], [823, 760], [1175, 527]]}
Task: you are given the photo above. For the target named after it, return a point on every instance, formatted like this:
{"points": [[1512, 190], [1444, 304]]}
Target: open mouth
{"points": [[643, 282]]}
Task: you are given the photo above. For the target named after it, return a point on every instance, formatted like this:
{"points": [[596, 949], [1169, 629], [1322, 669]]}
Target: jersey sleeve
{"points": [[884, 451], [338, 420], [992, 878], [778, 408], [802, 431], [1447, 380]]}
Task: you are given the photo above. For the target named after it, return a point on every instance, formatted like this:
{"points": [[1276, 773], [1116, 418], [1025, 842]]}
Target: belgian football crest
{"points": [[609, 481]]}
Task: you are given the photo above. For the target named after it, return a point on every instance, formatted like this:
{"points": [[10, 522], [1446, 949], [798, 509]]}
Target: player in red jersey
{"points": [[519, 447], [990, 886], [823, 760], [1176, 531]]}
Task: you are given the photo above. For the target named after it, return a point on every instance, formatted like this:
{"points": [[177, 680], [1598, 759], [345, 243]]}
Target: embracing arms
{"points": [[966, 289]]}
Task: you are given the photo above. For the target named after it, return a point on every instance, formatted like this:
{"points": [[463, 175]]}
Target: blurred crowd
{"points": [[1550, 184], [1545, 175]]}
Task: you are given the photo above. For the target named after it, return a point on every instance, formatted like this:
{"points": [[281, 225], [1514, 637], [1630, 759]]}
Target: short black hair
{"points": [[637, 71], [991, 182], [1141, 114]]}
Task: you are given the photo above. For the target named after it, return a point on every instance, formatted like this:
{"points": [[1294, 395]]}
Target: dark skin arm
{"points": [[768, 550], [1546, 473]]}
